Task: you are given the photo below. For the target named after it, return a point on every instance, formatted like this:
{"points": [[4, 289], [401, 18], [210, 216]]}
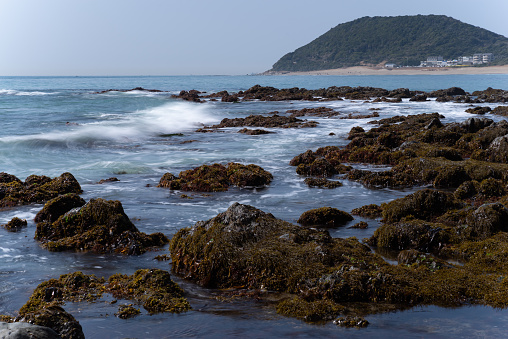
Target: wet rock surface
{"points": [[152, 288], [271, 121], [217, 178], [99, 226], [23, 330], [324, 217], [327, 276], [35, 188]]}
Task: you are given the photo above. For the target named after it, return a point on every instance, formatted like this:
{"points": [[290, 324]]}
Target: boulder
{"points": [[58, 206], [217, 178], [424, 204], [57, 319], [99, 226], [23, 330], [324, 217], [35, 189], [488, 219]]}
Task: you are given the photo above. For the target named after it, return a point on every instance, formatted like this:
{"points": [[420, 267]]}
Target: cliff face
{"points": [[404, 40]]}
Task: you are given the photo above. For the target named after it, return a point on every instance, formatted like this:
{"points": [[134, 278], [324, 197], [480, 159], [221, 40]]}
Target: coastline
{"points": [[366, 70]]}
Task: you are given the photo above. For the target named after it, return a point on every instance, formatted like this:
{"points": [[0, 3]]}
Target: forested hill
{"points": [[404, 40]]}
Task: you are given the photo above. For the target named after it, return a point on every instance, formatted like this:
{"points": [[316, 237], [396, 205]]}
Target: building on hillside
{"points": [[433, 61], [482, 58], [390, 65]]}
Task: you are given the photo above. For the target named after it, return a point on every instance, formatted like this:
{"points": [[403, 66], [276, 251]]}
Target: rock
{"points": [[319, 167], [266, 121], [322, 183], [191, 95], [419, 97], [361, 225], [500, 110], [15, 224], [371, 211], [498, 150], [58, 206], [112, 179], [307, 158], [479, 110], [324, 217], [248, 175], [35, 189], [414, 234], [316, 111], [254, 131], [473, 125], [452, 91], [153, 288], [424, 204], [57, 319], [488, 219], [99, 226], [217, 178], [23, 330]]}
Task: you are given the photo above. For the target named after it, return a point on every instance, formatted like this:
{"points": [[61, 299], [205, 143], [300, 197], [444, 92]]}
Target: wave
{"points": [[137, 126], [23, 93]]}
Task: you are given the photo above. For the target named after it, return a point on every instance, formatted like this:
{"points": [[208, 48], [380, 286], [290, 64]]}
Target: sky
{"points": [[190, 37]]}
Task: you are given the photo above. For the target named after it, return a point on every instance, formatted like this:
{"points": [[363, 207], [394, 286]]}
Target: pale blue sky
{"points": [[166, 37]]}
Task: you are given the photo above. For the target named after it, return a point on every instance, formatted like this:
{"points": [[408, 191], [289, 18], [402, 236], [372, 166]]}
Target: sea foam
{"points": [[136, 126]]}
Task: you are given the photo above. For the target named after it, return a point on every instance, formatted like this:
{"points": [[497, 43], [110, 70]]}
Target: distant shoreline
{"points": [[365, 70]]}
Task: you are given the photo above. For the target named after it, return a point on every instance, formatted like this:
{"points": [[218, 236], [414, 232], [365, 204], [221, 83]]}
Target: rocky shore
{"points": [[450, 236]]}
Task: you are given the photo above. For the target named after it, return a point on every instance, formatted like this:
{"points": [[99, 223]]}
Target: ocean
{"points": [[52, 125]]}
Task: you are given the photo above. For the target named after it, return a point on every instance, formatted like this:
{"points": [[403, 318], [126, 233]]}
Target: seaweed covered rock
{"points": [[488, 219], [500, 110], [328, 277], [15, 224], [424, 204], [153, 288], [271, 121], [58, 206], [248, 175], [413, 234], [217, 178], [100, 226], [479, 110], [57, 319], [324, 217], [498, 150], [244, 246], [35, 189], [322, 183], [371, 211]]}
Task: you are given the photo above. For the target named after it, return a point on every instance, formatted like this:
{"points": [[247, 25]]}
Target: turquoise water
{"points": [[52, 125]]}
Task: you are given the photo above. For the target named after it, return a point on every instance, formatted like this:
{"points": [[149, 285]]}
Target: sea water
{"points": [[51, 125]]}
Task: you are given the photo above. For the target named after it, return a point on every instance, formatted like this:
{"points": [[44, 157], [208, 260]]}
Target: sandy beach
{"points": [[365, 70]]}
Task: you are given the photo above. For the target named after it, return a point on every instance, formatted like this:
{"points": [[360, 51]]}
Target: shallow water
{"points": [[56, 125]]}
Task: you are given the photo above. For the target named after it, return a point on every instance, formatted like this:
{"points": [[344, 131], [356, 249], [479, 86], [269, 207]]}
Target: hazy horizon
{"points": [[157, 38]]}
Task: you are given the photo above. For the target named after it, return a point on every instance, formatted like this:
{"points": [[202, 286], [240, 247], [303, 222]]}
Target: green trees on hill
{"points": [[404, 40]]}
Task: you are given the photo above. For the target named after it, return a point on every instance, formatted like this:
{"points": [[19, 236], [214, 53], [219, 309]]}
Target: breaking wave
{"points": [[137, 126]]}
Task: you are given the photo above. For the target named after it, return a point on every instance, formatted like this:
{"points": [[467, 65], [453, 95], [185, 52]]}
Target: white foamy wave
{"points": [[22, 93], [165, 119]]}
